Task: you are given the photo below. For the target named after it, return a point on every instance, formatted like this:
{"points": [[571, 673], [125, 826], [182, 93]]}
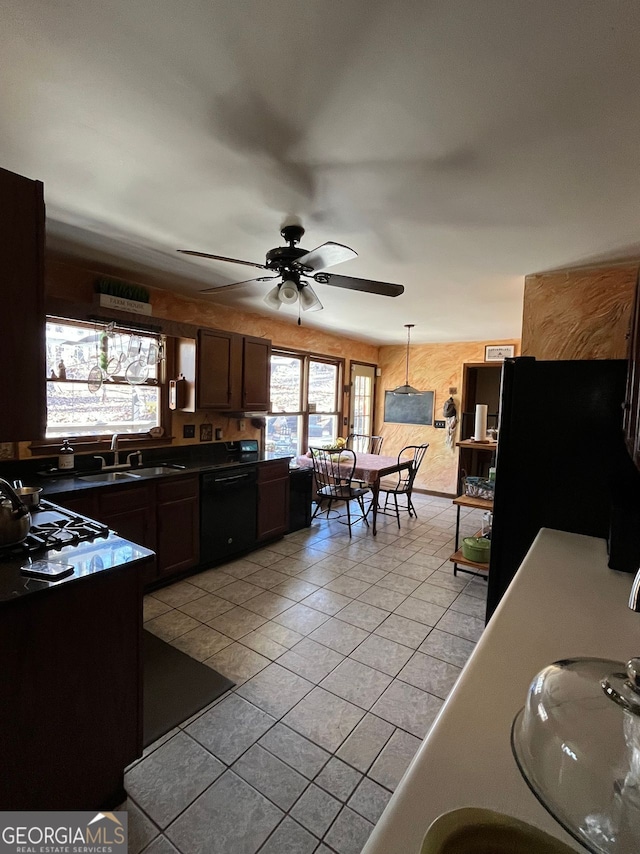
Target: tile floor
{"points": [[343, 652]]}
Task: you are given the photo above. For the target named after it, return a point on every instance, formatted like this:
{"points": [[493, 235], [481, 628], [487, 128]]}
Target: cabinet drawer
{"points": [[177, 488], [131, 498], [272, 470]]}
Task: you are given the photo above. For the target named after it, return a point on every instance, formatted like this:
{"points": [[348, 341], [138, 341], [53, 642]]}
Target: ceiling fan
{"points": [[295, 266]]}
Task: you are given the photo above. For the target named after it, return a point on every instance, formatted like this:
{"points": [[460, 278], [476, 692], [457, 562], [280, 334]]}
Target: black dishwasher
{"points": [[228, 503]]}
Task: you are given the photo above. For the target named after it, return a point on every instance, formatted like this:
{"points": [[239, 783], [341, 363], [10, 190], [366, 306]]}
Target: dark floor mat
{"points": [[176, 686]]}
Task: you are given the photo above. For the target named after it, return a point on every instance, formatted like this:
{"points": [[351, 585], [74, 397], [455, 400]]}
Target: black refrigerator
{"points": [[561, 459]]}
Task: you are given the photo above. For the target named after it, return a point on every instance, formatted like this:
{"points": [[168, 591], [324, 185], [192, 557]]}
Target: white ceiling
{"points": [[456, 145]]}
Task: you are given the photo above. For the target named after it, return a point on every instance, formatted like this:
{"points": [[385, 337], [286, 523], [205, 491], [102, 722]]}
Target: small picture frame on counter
{"points": [[497, 353], [206, 432]]}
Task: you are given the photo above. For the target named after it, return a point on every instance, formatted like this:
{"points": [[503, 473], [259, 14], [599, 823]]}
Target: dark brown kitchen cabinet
{"points": [[256, 369], [177, 525], [219, 370], [131, 512], [71, 711], [273, 499], [22, 344], [231, 371]]}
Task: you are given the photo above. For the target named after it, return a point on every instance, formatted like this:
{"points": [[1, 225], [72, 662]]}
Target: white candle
{"points": [[481, 422]]}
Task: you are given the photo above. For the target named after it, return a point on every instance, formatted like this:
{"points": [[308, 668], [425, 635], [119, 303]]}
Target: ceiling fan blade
{"points": [[236, 284], [222, 258], [326, 256], [385, 289]]}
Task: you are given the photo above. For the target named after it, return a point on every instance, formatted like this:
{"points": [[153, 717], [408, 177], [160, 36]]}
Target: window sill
{"points": [[97, 444]]}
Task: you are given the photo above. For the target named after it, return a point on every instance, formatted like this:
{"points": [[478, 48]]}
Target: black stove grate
{"points": [[53, 528]]}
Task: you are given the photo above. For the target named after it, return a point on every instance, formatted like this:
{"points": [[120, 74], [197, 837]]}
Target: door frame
{"points": [[374, 399]]}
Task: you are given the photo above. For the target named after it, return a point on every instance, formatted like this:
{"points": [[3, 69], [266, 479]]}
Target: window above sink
{"points": [[103, 379]]}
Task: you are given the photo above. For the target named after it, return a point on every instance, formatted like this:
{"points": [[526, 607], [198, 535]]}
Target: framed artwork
{"points": [[495, 353], [206, 432], [409, 408]]}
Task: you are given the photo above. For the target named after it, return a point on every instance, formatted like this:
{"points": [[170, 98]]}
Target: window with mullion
{"points": [[304, 403], [101, 379]]}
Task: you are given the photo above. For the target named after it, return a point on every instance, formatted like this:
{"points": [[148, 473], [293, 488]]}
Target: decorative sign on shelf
{"points": [[409, 408], [123, 296], [120, 304], [495, 353]]}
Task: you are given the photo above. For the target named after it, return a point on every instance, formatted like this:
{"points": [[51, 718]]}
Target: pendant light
{"points": [[406, 388]]}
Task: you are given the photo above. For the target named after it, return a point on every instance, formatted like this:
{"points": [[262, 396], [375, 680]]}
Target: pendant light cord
{"points": [[409, 327]]}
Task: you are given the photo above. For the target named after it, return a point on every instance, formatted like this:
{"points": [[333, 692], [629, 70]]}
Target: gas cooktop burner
{"points": [[53, 528]]}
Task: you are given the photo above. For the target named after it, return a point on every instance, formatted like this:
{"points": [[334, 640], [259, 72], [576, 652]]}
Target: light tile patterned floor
{"points": [[343, 651]]}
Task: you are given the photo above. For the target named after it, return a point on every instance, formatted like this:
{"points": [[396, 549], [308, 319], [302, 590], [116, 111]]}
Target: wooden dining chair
{"points": [[363, 444], [402, 482], [333, 474]]}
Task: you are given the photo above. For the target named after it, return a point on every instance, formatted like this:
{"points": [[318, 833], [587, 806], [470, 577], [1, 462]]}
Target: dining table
{"points": [[370, 469]]}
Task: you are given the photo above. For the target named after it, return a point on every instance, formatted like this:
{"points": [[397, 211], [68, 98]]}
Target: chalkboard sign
{"points": [[409, 408]]}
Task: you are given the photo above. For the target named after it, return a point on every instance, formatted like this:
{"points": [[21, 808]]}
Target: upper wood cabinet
{"points": [[22, 340], [218, 371], [231, 371], [256, 369]]}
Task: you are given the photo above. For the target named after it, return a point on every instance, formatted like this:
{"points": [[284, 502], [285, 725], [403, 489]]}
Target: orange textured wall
{"points": [[71, 280], [432, 367], [579, 313]]}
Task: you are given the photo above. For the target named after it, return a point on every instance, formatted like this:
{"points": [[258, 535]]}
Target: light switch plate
{"points": [[439, 424]]}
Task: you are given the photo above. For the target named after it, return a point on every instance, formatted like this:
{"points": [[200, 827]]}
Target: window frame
{"points": [[101, 441], [306, 358]]}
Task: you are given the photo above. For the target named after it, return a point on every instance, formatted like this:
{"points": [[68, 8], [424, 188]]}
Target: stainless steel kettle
{"points": [[15, 519]]}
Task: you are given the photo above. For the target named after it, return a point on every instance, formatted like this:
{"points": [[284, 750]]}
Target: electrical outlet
{"points": [[242, 424], [439, 424], [188, 431], [218, 433]]}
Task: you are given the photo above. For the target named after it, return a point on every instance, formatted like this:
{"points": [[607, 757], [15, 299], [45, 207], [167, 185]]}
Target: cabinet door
{"points": [[131, 513], [273, 499], [219, 370], [22, 345], [71, 663], [256, 368], [178, 528]]}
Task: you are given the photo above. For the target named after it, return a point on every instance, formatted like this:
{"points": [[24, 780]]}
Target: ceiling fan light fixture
{"points": [[407, 389], [272, 299], [288, 292], [309, 299]]}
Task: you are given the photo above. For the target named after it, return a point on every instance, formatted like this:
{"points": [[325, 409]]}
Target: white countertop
{"points": [[564, 602]]}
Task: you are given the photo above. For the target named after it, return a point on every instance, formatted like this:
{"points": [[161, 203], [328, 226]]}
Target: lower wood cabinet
{"points": [[177, 517], [71, 696], [160, 515], [273, 499]]}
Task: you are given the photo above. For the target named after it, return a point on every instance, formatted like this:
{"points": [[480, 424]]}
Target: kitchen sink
{"points": [[108, 477], [153, 471]]}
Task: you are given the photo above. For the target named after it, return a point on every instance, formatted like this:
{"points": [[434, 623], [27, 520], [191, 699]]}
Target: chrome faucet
{"points": [[114, 448]]}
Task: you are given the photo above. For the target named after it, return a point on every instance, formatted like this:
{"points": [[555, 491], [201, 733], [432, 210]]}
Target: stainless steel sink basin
{"points": [[108, 477], [152, 471]]}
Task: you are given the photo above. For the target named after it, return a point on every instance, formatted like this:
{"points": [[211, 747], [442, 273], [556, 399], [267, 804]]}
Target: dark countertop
{"points": [[61, 484], [88, 558]]}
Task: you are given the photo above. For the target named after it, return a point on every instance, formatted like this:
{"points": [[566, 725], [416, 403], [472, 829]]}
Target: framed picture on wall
{"points": [[206, 432], [496, 353]]}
